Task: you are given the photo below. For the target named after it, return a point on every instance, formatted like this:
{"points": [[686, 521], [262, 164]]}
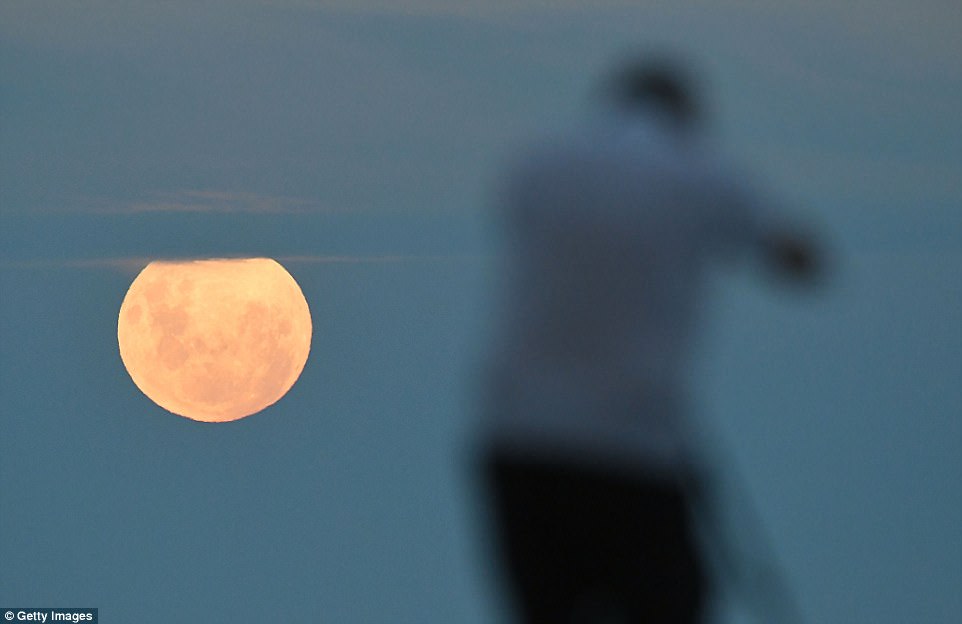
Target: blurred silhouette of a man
{"points": [[587, 455]]}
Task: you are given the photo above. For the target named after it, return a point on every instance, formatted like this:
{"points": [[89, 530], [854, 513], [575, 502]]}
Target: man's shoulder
{"points": [[632, 148], [577, 149], [548, 156]]}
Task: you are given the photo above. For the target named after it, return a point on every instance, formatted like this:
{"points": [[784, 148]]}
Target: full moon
{"points": [[214, 340]]}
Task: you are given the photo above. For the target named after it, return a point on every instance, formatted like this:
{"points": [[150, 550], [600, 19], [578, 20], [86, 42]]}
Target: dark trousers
{"points": [[581, 544]]}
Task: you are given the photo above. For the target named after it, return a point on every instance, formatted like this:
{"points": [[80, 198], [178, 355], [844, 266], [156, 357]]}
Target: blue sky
{"points": [[357, 142]]}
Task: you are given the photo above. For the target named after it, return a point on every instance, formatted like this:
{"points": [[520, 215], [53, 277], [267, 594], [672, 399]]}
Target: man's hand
{"points": [[794, 256]]}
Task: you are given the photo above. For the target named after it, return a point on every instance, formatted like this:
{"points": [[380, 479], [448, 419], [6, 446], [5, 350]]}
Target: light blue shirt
{"points": [[610, 232]]}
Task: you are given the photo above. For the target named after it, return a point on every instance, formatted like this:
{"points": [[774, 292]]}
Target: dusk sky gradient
{"points": [[358, 142]]}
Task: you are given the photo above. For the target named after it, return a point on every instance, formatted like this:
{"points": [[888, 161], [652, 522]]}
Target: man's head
{"points": [[659, 85]]}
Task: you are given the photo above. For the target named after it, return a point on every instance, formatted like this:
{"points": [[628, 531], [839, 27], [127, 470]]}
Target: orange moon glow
{"points": [[214, 340]]}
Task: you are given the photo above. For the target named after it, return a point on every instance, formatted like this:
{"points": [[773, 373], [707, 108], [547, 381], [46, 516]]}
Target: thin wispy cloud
{"points": [[200, 201], [131, 265], [134, 264], [385, 259], [487, 8]]}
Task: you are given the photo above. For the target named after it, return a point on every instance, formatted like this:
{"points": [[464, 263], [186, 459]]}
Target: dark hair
{"points": [[655, 83]]}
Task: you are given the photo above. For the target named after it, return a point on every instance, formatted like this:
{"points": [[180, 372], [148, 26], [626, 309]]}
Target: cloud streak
{"points": [[209, 201], [134, 264], [385, 259]]}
